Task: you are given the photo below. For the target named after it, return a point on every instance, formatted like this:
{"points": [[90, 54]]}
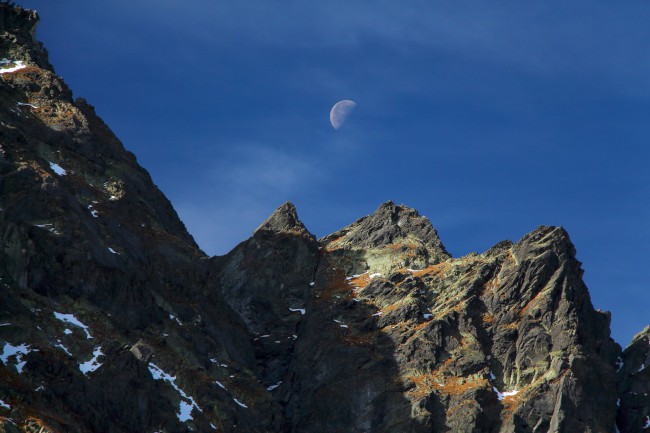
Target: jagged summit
{"points": [[17, 41], [284, 220], [390, 224]]}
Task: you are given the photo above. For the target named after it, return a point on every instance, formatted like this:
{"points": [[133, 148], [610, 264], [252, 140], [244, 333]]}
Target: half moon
{"points": [[340, 112]]}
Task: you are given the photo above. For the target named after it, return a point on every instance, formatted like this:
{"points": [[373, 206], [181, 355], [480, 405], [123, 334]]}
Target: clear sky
{"points": [[490, 118]]}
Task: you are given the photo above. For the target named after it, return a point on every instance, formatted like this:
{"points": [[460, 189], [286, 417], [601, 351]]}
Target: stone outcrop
{"points": [[113, 320]]}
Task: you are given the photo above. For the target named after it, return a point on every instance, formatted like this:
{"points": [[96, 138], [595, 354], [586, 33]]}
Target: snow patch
{"points": [[502, 395], [93, 211], [18, 352], [492, 376], [9, 69], [112, 251], [66, 331], [619, 364], [647, 422], [221, 385], [4, 405], [240, 403], [93, 364], [24, 104], [302, 310], [5, 324], [215, 361], [427, 316], [272, 387], [187, 403], [71, 319], [49, 227], [375, 275], [172, 317], [312, 284], [355, 276], [62, 347], [58, 169]]}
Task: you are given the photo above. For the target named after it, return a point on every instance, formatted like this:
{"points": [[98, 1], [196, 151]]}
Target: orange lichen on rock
{"points": [[533, 302], [359, 282], [488, 318], [335, 285], [461, 385], [435, 381], [334, 244], [433, 270], [37, 425]]}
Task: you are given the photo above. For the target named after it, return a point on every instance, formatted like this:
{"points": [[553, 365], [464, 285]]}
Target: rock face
{"points": [[113, 320], [634, 385]]}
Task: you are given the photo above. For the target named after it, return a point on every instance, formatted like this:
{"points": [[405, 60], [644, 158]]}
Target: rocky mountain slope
{"points": [[113, 320]]}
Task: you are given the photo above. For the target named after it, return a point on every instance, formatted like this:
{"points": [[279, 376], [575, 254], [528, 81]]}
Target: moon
{"points": [[340, 112]]}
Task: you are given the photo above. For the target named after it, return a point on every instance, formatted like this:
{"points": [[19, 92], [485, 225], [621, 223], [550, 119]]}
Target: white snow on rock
{"points": [[272, 387], [302, 310], [62, 347], [4, 405], [647, 423], [66, 331], [93, 364], [58, 169], [71, 319], [240, 403], [187, 402], [93, 211], [502, 395], [427, 316], [221, 385], [355, 276], [112, 251], [375, 275], [312, 284], [619, 364], [9, 69], [25, 104], [5, 324], [492, 376], [18, 352], [172, 317], [49, 227], [341, 324], [216, 361]]}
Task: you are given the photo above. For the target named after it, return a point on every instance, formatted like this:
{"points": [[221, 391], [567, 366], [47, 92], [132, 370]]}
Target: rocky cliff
{"points": [[113, 320]]}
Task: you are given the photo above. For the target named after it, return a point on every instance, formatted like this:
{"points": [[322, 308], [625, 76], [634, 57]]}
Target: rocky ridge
{"points": [[113, 320]]}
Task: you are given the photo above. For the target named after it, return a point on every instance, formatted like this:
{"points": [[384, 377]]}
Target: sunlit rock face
{"points": [[113, 320]]}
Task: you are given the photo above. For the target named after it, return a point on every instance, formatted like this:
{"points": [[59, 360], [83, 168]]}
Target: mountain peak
{"points": [[390, 224], [283, 220]]}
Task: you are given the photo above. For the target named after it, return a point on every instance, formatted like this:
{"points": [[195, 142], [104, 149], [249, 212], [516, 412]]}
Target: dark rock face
{"points": [[634, 385], [113, 320]]}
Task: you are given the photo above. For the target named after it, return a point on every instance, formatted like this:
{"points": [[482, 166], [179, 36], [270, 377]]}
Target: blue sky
{"points": [[489, 118]]}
